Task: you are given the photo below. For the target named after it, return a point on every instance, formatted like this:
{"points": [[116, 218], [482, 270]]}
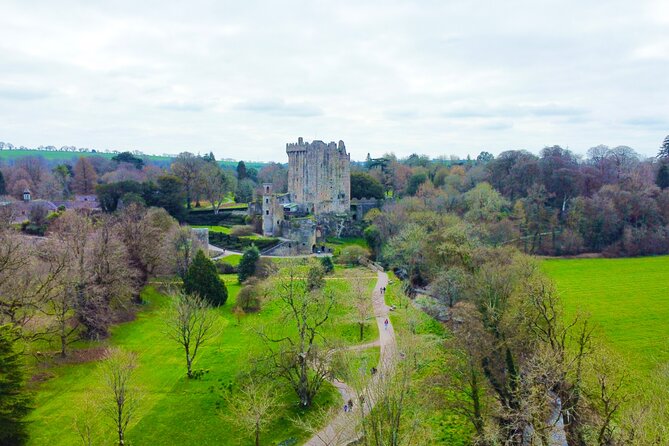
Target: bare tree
{"points": [[190, 323], [187, 167], [143, 232], [301, 358], [216, 184], [253, 408], [362, 305], [120, 399]]}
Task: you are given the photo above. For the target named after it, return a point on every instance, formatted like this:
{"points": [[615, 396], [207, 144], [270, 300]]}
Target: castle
{"points": [[319, 185], [319, 176]]}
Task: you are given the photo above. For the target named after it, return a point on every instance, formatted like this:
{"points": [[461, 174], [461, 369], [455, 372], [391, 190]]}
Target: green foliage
{"points": [[241, 171], [664, 149], [662, 179], [244, 192], [327, 264], [363, 185], [14, 399], [351, 255], [202, 279], [247, 266], [373, 238], [315, 277], [110, 194], [127, 157], [415, 182], [168, 194]]}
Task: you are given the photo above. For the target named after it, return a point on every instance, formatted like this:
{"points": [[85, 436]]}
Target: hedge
{"points": [[233, 242]]}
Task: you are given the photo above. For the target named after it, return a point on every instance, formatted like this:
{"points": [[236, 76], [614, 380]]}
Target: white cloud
{"points": [[244, 78]]}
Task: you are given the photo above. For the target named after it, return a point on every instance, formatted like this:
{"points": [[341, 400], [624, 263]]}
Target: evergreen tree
{"points": [[241, 171], [664, 149], [327, 264], [14, 401], [202, 279], [247, 266], [3, 189], [662, 179]]}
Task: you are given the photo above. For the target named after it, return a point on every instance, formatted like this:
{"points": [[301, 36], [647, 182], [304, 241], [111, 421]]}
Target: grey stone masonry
{"points": [[319, 176]]}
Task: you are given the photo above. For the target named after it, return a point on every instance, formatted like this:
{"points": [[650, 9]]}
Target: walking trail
{"points": [[341, 430]]}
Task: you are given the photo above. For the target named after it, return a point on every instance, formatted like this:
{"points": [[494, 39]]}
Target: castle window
{"points": [[266, 212], [267, 188], [266, 200]]}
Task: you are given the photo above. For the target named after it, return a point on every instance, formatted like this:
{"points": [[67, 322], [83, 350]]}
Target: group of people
{"points": [[348, 407]]}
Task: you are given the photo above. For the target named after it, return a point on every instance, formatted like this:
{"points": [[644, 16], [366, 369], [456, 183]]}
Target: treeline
{"points": [[177, 186], [520, 371], [556, 203]]}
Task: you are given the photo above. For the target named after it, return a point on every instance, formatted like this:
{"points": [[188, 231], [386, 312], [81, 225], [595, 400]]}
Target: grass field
{"points": [[72, 156], [627, 299], [174, 409]]}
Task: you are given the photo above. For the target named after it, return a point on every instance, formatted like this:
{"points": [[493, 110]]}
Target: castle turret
{"points": [[267, 210]]}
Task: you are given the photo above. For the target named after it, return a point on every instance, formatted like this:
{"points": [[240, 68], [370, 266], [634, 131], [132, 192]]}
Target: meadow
{"points": [[174, 409], [627, 300]]}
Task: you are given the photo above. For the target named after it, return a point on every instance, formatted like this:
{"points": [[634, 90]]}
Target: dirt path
{"points": [[341, 431]]}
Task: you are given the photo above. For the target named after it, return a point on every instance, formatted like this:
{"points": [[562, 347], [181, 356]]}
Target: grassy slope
{"points": [[175, 410], [626, 298], [69, 156]]}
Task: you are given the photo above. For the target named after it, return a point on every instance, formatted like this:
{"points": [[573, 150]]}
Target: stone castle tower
{"points": [[319, 176]]}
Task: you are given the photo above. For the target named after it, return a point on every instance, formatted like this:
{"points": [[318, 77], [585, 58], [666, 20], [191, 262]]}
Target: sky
{"points": [[243, 78]]}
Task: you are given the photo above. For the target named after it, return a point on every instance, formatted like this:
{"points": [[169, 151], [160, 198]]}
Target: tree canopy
{"points": [[202, 279], [363, 185]]}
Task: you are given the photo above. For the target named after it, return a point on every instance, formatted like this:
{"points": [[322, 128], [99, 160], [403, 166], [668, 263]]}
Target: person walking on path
{"points": [[385, 324], [345, 408]]}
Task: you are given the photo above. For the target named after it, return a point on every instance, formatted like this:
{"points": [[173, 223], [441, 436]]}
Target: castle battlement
{"points": [[302, 146]]}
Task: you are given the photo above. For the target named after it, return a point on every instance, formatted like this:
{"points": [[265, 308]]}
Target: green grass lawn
{"points": [[174, 409], [221, 229], [627, 299]]}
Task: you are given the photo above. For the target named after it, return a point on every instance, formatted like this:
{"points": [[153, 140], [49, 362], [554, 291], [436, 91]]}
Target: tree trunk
{"points": [[362, 329]]}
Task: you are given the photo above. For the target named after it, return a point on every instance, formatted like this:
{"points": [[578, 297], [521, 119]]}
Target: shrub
{"points": [[248, 263], [226, 268], [265, 268], [241, 230], [327, 264], [248, 298], [351, 255], [202, 279], [315, 277]]}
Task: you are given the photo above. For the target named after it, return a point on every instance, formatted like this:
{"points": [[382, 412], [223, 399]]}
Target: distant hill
{"points": [[65, 156]]}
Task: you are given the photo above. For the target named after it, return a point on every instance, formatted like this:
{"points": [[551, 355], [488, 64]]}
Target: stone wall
{"points": [[319, 176]]}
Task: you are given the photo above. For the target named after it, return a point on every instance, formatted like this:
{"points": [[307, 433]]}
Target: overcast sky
{"points": [[242, 78]]}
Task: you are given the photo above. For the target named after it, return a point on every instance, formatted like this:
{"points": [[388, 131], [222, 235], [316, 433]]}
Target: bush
{"points": [[227, 241], [327, 264], [226, 268], [202, 279], [247, 265], [351, 255], [265, 268], [315, 277], [248, 298], [241, 230]]}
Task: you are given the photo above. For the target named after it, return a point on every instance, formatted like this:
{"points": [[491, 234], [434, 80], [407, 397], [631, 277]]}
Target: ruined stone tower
{"points": [[319, 176]]}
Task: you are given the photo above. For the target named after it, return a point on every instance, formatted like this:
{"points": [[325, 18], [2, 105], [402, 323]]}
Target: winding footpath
{"points": [[341, 430]]}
